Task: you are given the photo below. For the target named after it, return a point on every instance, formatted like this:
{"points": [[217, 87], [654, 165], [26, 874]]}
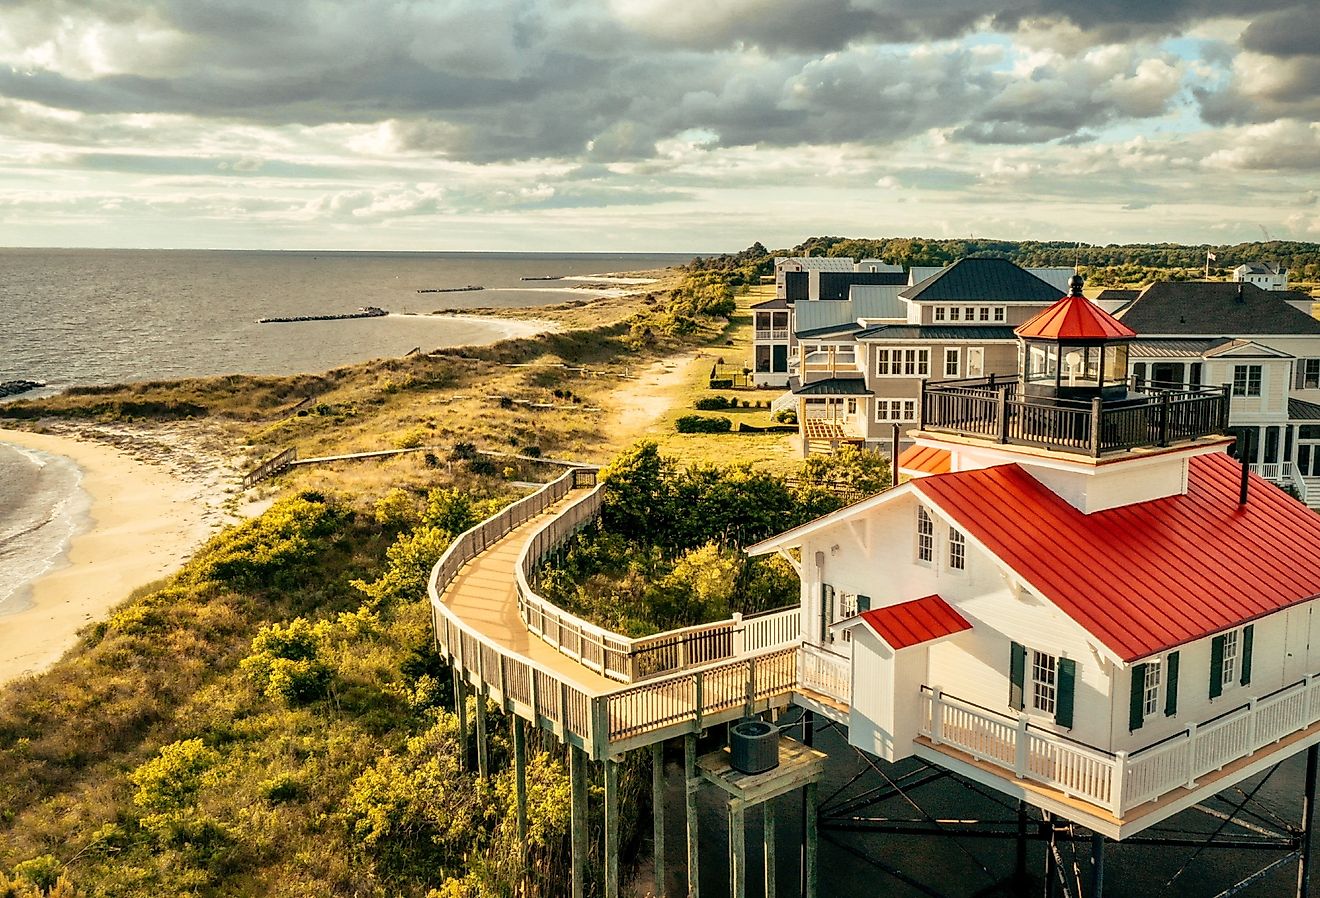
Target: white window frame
{"points": [[969, 313], [889, 358], [885, 411], [925, 537], [955, 313], [955, 354], [1304, 365], [1246, 380], [1001, 313], [1043, 682], [939, 313], [1232, 658], [1153, 688], [980, 350], [957, 550]]}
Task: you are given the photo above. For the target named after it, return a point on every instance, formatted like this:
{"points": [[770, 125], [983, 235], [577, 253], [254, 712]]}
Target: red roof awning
{"points": [[912, 623], [1150, 576], [925, 459], [1074, 318]]}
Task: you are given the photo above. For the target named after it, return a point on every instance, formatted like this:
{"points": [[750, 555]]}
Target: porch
{"points": [[1118, 793]]}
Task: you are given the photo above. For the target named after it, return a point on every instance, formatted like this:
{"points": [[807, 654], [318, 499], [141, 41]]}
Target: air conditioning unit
{"points": [[754, 746]]}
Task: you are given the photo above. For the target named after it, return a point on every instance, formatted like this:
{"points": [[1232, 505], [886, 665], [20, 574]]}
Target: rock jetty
{"points": [[14, 387], [466, 289], [548, 277], [364, 312]]}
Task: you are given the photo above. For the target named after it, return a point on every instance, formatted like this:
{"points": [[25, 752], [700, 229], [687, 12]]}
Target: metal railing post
{"points": [[1097, 415], [1001, 411], [937, 716], [1164, 418]]}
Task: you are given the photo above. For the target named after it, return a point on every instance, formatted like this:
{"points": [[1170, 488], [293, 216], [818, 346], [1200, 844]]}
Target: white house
{"points": [[1072, 601], [1264, 275]]}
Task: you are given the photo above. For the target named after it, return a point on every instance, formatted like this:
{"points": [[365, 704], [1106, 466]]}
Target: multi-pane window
{"points": [[1246, 380], [1308, 374], [999, 313], [902, 362], [955, 313], [925, 536], [1229, 673], [969, 313], [957, 550], [1150, 689], [939, 313], [951, 362], [985, 313], [891, 410], [1044, 682]]}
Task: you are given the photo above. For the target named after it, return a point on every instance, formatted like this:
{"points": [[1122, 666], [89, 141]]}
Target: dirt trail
{"points": [[639, 403]]}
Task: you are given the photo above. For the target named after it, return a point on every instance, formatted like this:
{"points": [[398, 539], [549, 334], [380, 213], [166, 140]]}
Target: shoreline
{"points": [[142, 524]]}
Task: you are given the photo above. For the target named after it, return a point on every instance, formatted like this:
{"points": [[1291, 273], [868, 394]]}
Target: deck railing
{"points": [[825, 672], [629, 659], [1119, 781], [1299, 483], [515, 682], [995, 407]]}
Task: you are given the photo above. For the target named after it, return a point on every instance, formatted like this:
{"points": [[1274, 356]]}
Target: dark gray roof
{"points": [[936, 332], [1301, 410], [829, 331], [1172, 348], [834, 386], [835, 284], [983, 280], [771, 305], [1214, 307], [1115, 293]]}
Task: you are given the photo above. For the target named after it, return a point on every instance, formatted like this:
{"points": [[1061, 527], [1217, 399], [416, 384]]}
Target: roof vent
{"points": [[1075, 285], [753, 746]]}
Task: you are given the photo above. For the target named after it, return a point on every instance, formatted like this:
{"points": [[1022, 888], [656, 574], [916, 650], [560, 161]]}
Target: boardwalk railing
{"points": [[513, 681], [1119, 781], [270, 467], [825, 672], [610, 722], [624, 658]]}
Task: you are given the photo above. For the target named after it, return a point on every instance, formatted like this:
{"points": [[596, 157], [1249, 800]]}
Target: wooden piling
{"points": [[611, 828], [460, 709], [692, 784], [768, 837], [811, 837], [658, 816], [483, 760], [577, 769], [737, 850], [520, 775]]}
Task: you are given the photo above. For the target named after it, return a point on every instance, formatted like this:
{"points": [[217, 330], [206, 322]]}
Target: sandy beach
{"points": [[145, 522]]}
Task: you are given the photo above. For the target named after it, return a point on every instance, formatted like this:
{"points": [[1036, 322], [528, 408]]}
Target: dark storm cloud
{"points": [[595, 82]]}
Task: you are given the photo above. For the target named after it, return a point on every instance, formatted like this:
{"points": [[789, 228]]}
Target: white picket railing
{"points": [[825, 672], [1119, 781], [1272, 471], [1299, 483], [1028, 753], [624, 658], [764, 335]]}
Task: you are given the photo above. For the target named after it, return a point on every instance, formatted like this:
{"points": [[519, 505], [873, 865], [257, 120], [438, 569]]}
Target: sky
{"points": [[654, 125]]}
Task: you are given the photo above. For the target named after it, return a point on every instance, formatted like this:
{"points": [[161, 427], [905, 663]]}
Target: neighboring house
{"points": [[955, 323], [1070, 602], [1111, 299], [1264, 275], [805, 279], [1257, 341]]}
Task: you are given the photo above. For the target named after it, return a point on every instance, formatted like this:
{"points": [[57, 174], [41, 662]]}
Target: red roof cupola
{"points": [[1074, 317], [1075, 351]]}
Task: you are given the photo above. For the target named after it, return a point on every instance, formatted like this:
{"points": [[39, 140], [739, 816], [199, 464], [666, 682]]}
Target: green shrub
{"points": [[786, 416], [711, 403], [721, 383], [170, 780], [703, 424], [285, 663]]}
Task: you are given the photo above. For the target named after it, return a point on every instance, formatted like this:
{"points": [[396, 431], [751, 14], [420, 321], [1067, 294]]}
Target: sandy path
{"points": [[641, 402], [146, 520]]}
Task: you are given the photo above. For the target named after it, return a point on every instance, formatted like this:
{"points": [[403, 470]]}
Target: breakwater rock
{"points": [[364, 312], [468, 289], [14, 387]]}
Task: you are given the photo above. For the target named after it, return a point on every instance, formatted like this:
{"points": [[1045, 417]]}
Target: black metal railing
{"points": [[997, 408]]}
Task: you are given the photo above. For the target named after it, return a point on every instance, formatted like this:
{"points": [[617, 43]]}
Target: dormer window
{"points": [[1246, 380]]}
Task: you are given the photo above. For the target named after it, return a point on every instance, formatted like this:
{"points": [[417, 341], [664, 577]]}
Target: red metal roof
{"points": [[1145, 577], [1074, 318], [926, 459], [915, 622]]}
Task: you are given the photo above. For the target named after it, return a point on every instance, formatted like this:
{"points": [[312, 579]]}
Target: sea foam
{"points": [[42, 506]]}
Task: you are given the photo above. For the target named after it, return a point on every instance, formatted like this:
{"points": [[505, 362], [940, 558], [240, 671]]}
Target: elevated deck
{"points": [[563, 674]]}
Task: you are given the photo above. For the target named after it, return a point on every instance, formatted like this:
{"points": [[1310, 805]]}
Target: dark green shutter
{"points": [[1017, 676], [824, 612], [1247, 633], [1137, 698], [863, 603], [1217, 667], [1063, 697], [1171, 685]]}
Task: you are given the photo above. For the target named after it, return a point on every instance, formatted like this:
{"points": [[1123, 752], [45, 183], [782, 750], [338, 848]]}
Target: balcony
{"points": [[1120, 783], [996, 408], [771, 335]]}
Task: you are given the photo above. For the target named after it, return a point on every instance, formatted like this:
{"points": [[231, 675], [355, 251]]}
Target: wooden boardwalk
{"points": [[484, 596]]}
